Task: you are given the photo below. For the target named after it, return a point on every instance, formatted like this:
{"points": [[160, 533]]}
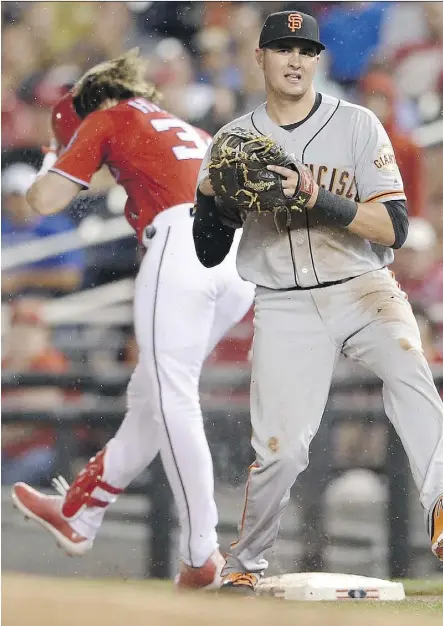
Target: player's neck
{"points": [[284, 111]]}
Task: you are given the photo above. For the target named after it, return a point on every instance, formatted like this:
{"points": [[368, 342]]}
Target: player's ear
{"points": [[259, 56]]}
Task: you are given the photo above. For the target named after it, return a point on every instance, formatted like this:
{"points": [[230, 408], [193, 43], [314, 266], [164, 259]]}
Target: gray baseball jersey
{"points": [[350, 154]]}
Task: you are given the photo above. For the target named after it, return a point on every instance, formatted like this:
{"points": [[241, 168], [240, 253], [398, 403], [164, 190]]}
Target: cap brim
{"points": [[273, 40]]}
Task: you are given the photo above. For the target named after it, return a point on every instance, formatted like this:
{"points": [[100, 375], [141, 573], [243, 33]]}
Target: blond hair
{"points": [[118, 79]]}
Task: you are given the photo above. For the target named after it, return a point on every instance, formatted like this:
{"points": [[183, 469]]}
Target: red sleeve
{"points": [[87, 149]]}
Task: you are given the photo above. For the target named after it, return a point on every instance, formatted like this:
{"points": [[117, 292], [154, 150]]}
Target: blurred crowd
{"points": [[201, 55], [201, 59]]}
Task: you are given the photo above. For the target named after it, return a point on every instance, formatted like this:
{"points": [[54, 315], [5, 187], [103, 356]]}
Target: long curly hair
{"points": [[118, 79]]}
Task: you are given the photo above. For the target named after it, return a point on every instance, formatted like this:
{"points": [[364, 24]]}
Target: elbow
{"points": [[398, 243], [400, 223], [401, 230]]}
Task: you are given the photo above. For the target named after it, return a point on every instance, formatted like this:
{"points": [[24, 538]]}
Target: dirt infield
{"points": [[35, 601]]}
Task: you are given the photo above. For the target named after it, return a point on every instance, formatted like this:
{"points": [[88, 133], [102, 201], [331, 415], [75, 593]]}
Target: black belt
{"points": [[320, 286]]}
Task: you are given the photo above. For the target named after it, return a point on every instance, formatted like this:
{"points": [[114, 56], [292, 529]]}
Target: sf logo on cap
{"points": [[295, 21]]}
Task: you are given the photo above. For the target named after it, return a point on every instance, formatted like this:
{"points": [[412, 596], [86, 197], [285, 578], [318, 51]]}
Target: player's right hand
{"points": [[290, 181]]}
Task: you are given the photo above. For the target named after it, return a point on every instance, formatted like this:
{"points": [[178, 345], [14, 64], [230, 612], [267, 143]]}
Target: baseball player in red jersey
{"points": [[181, 310]]}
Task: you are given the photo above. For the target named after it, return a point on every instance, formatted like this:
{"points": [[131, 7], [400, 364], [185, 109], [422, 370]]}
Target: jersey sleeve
{"points": [[87, 149], [377, 176]]}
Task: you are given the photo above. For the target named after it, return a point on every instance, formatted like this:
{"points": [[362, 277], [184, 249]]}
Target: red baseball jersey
{"points": [[155, 156]]}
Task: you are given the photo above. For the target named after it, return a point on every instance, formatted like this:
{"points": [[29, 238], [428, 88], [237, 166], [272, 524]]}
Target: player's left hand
{"points": [[290, 181]]}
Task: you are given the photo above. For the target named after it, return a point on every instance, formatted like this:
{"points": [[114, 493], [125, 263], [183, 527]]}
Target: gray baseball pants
{"points": [[298, 337]]}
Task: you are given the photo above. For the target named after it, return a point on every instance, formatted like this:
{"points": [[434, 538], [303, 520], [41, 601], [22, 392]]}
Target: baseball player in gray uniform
{"points": [[323, 288]]}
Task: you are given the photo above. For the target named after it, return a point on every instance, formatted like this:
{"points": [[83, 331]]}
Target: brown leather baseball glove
{"points": [[242, 183]]}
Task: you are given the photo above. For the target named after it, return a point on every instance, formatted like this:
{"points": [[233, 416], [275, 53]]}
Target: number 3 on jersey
{"points": [[188, 133]]}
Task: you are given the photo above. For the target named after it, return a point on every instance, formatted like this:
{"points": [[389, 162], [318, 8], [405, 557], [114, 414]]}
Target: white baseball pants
{"points": [[182, 310]]}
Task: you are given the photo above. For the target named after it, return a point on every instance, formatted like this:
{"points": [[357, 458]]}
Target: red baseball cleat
{"points": [[208, 576], [46, 511]]}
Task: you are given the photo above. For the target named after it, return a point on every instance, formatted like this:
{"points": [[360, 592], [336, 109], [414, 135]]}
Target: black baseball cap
{"points": [[290, 25]]}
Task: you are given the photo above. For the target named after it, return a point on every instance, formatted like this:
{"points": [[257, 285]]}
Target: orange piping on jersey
{"points": [[385, 194], [243, 517]]}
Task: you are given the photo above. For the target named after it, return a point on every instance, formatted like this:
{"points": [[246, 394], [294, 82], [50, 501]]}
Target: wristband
{"points": [[49, 161], [335, 207]]}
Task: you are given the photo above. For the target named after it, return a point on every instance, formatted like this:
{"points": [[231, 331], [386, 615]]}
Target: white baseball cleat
{"points": [[46, 511], [206, 577]]}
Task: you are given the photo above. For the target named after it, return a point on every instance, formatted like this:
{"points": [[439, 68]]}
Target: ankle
{"points": [[89, 490], [88, 522]]}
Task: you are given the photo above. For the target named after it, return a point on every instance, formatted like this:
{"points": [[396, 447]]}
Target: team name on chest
{"points": [[334, 179]]}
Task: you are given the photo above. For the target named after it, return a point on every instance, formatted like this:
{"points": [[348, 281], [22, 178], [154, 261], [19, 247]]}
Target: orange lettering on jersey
{"points": [[295, 21]]}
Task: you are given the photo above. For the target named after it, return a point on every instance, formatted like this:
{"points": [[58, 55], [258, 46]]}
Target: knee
{"points": [[290, 463], [407, 362]]}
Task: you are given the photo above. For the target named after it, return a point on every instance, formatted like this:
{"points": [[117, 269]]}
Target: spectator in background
{"points": [[245, 27], [396, 31], [26, 112], [434, 163], [55, 275], [377, 93], [239, 86], [60, 26], [20, 55], [222, 108], [350, 32], [112, 32], [172, 71], [217, 66], [417, 266], [20, 58], [416, 66], [178, 20], [27, 450]]}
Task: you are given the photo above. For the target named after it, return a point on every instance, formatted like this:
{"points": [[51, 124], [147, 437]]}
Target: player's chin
{"points": [[294, 91]]}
